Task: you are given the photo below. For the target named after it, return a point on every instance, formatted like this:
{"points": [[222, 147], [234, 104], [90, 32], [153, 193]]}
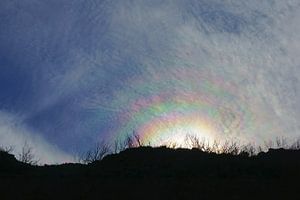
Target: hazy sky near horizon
{"points": [[76, 72]]}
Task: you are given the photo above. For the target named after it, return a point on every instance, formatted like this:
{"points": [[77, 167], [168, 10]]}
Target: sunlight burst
{"points": [[174, 132]]}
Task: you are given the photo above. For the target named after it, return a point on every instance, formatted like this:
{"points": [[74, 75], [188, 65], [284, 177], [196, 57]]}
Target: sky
{"points": [[76, 72]]}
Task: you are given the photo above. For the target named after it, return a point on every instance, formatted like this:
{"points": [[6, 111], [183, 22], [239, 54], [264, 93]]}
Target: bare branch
{"points": [[7, 149], [98, 152], [27, 156], [138, 140]]}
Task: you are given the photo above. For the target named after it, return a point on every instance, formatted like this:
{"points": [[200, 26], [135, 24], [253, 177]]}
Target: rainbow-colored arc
{"points": [[174, 128], [169, 117], [165, 104]]}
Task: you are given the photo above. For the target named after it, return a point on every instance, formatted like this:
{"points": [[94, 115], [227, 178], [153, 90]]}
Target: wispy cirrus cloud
{"points": [[14, 133], [84, 71]]}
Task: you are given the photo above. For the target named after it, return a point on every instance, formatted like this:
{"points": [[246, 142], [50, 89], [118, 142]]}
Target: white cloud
{"points": [[113, 53], [15, 134], [251, 46]]}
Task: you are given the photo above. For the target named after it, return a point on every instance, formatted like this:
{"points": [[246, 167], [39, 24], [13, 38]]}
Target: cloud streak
{"points": [[242, 45], [13, 133]]}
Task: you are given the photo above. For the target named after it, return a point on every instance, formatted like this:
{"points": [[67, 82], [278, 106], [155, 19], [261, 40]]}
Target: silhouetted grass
{"points": [[230, 147], [144, 172], [129, 169]]}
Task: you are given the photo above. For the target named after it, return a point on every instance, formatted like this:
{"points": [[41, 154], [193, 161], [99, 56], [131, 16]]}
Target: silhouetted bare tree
{"points": [[295, 145], [249, 149], [120, 145], [133, 140], [130, 141], [215, 146], [27, 156], [281, 142], [98, 152], [230, 147], [172, 145], [7, 149], [138, 140], [193, 141]]}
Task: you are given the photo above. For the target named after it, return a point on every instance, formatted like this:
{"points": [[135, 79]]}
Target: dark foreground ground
{"points": [[157, 173]]}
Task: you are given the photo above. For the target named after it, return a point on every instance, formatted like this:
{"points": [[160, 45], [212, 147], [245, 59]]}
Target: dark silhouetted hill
{"points": [[157, 173]]}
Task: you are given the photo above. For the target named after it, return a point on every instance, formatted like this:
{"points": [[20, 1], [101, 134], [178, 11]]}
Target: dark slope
{"points": [[152, 173]]}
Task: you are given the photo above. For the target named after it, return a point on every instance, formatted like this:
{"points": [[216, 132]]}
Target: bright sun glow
{"points": [[177, 135], [174, 132]]}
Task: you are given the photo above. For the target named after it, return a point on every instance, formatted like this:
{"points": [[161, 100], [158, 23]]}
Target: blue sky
{"points": [[71, 71]]}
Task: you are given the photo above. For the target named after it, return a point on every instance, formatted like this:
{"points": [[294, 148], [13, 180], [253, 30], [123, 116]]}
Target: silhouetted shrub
{"points": [[100, 150], [27, 156], [6, 149]]}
